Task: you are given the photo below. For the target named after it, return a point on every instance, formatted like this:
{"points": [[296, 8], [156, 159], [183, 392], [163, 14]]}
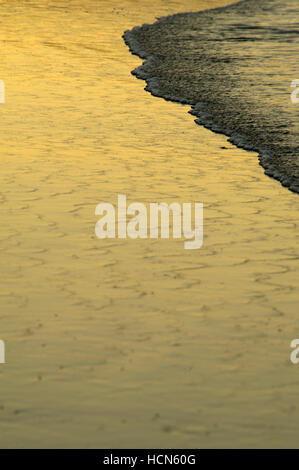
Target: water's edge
{"points": [[205, 116]]}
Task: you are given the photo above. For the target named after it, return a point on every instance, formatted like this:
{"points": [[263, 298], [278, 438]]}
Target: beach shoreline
{"points": [[133, 343], [205, 116]]}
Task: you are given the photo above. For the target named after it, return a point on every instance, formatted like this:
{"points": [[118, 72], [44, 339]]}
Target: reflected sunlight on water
{"points": [[123, 343]]}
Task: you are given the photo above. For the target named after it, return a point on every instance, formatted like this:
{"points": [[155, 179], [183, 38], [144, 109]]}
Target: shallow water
{"points": [[235, 66], [127, 343]]}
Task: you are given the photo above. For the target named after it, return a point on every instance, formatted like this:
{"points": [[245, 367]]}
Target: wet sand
{"points": [[133, 343]]}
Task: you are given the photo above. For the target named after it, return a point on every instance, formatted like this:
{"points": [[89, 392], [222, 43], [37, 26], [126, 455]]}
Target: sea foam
{"points": [[234, 66]]}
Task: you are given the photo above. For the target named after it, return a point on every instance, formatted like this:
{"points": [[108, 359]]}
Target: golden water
{"points": [[133, 343]]}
